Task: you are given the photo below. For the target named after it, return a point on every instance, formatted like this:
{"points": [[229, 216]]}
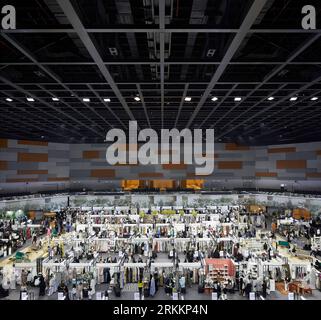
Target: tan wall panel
{"points": [[91, 154], [266, 174], [230, 164], [281, 150], [3, 143], [32, 157], [291, 164], [32, 171], [33, 143], [3, 165], [102, 173]]}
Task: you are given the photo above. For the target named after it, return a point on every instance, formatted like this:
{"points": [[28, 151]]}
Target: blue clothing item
{"points": [[152, 288]]}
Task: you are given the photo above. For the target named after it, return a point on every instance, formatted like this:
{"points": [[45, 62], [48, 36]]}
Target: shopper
{"points": [[74, 292], [152, 287], [140, 287], [42, 285]]}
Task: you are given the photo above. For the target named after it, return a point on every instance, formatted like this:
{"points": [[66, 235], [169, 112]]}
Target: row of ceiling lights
{"points": [[30, 99], [137, 98], [188, 99]]}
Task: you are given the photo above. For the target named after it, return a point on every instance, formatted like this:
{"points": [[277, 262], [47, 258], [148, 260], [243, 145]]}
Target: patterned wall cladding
{"points": [[30, 161]]}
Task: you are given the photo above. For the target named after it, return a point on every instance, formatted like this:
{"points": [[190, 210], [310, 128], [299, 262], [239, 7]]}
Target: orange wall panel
{"points": [[150, 175], [281, 150], [102, 173], [32, 157], [318, 152], [91, 154], [173, 166], [3, 143], [32, 171], [33, 143], [59, 179], [313, 174], [211, 156], [266, 174], [22, 180], [234, 146], [291, 164], [230, 164], [3, 165], [163, 184]]}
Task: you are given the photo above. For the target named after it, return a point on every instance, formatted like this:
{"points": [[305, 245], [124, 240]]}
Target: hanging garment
{"points": [[152, 288]]}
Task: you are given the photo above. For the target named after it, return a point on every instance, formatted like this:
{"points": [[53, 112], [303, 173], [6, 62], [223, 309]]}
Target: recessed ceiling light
{"points": [[270, 98], [237, 99], [214, 99], [107, 99], [30, 99], [54, 99], [293, 98], [9, 99], [137, 98], [188, 99], [314, 98], [85, 99]]}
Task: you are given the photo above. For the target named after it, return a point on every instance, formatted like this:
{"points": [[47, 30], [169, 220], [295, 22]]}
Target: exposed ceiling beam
{"points": [[299, 121], [181, 104], [72, 16], [22, 124], [51, 106], [39, 111], [143, 104], [50, 74], [287, 97], [250, 18], [154, 62], [106, 105], [135, 29], [218, 105], [167, 82], [161, 8], [272, 74]]}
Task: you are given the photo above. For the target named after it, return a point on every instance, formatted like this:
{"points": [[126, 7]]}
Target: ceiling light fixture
{"points": [[314, 98], [270, 98], [188, 99], [9, 99], [137, 98], [214, 99], [85, 99], [30, 99], [293, 98], [54, 99], [107, 99], [237, 99]]}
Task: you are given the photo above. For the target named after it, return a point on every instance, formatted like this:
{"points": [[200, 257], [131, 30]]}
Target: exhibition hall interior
{"points": [[160, 150]]}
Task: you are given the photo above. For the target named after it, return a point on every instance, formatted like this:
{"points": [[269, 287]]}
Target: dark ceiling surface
{"points": [[162, 52]]}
